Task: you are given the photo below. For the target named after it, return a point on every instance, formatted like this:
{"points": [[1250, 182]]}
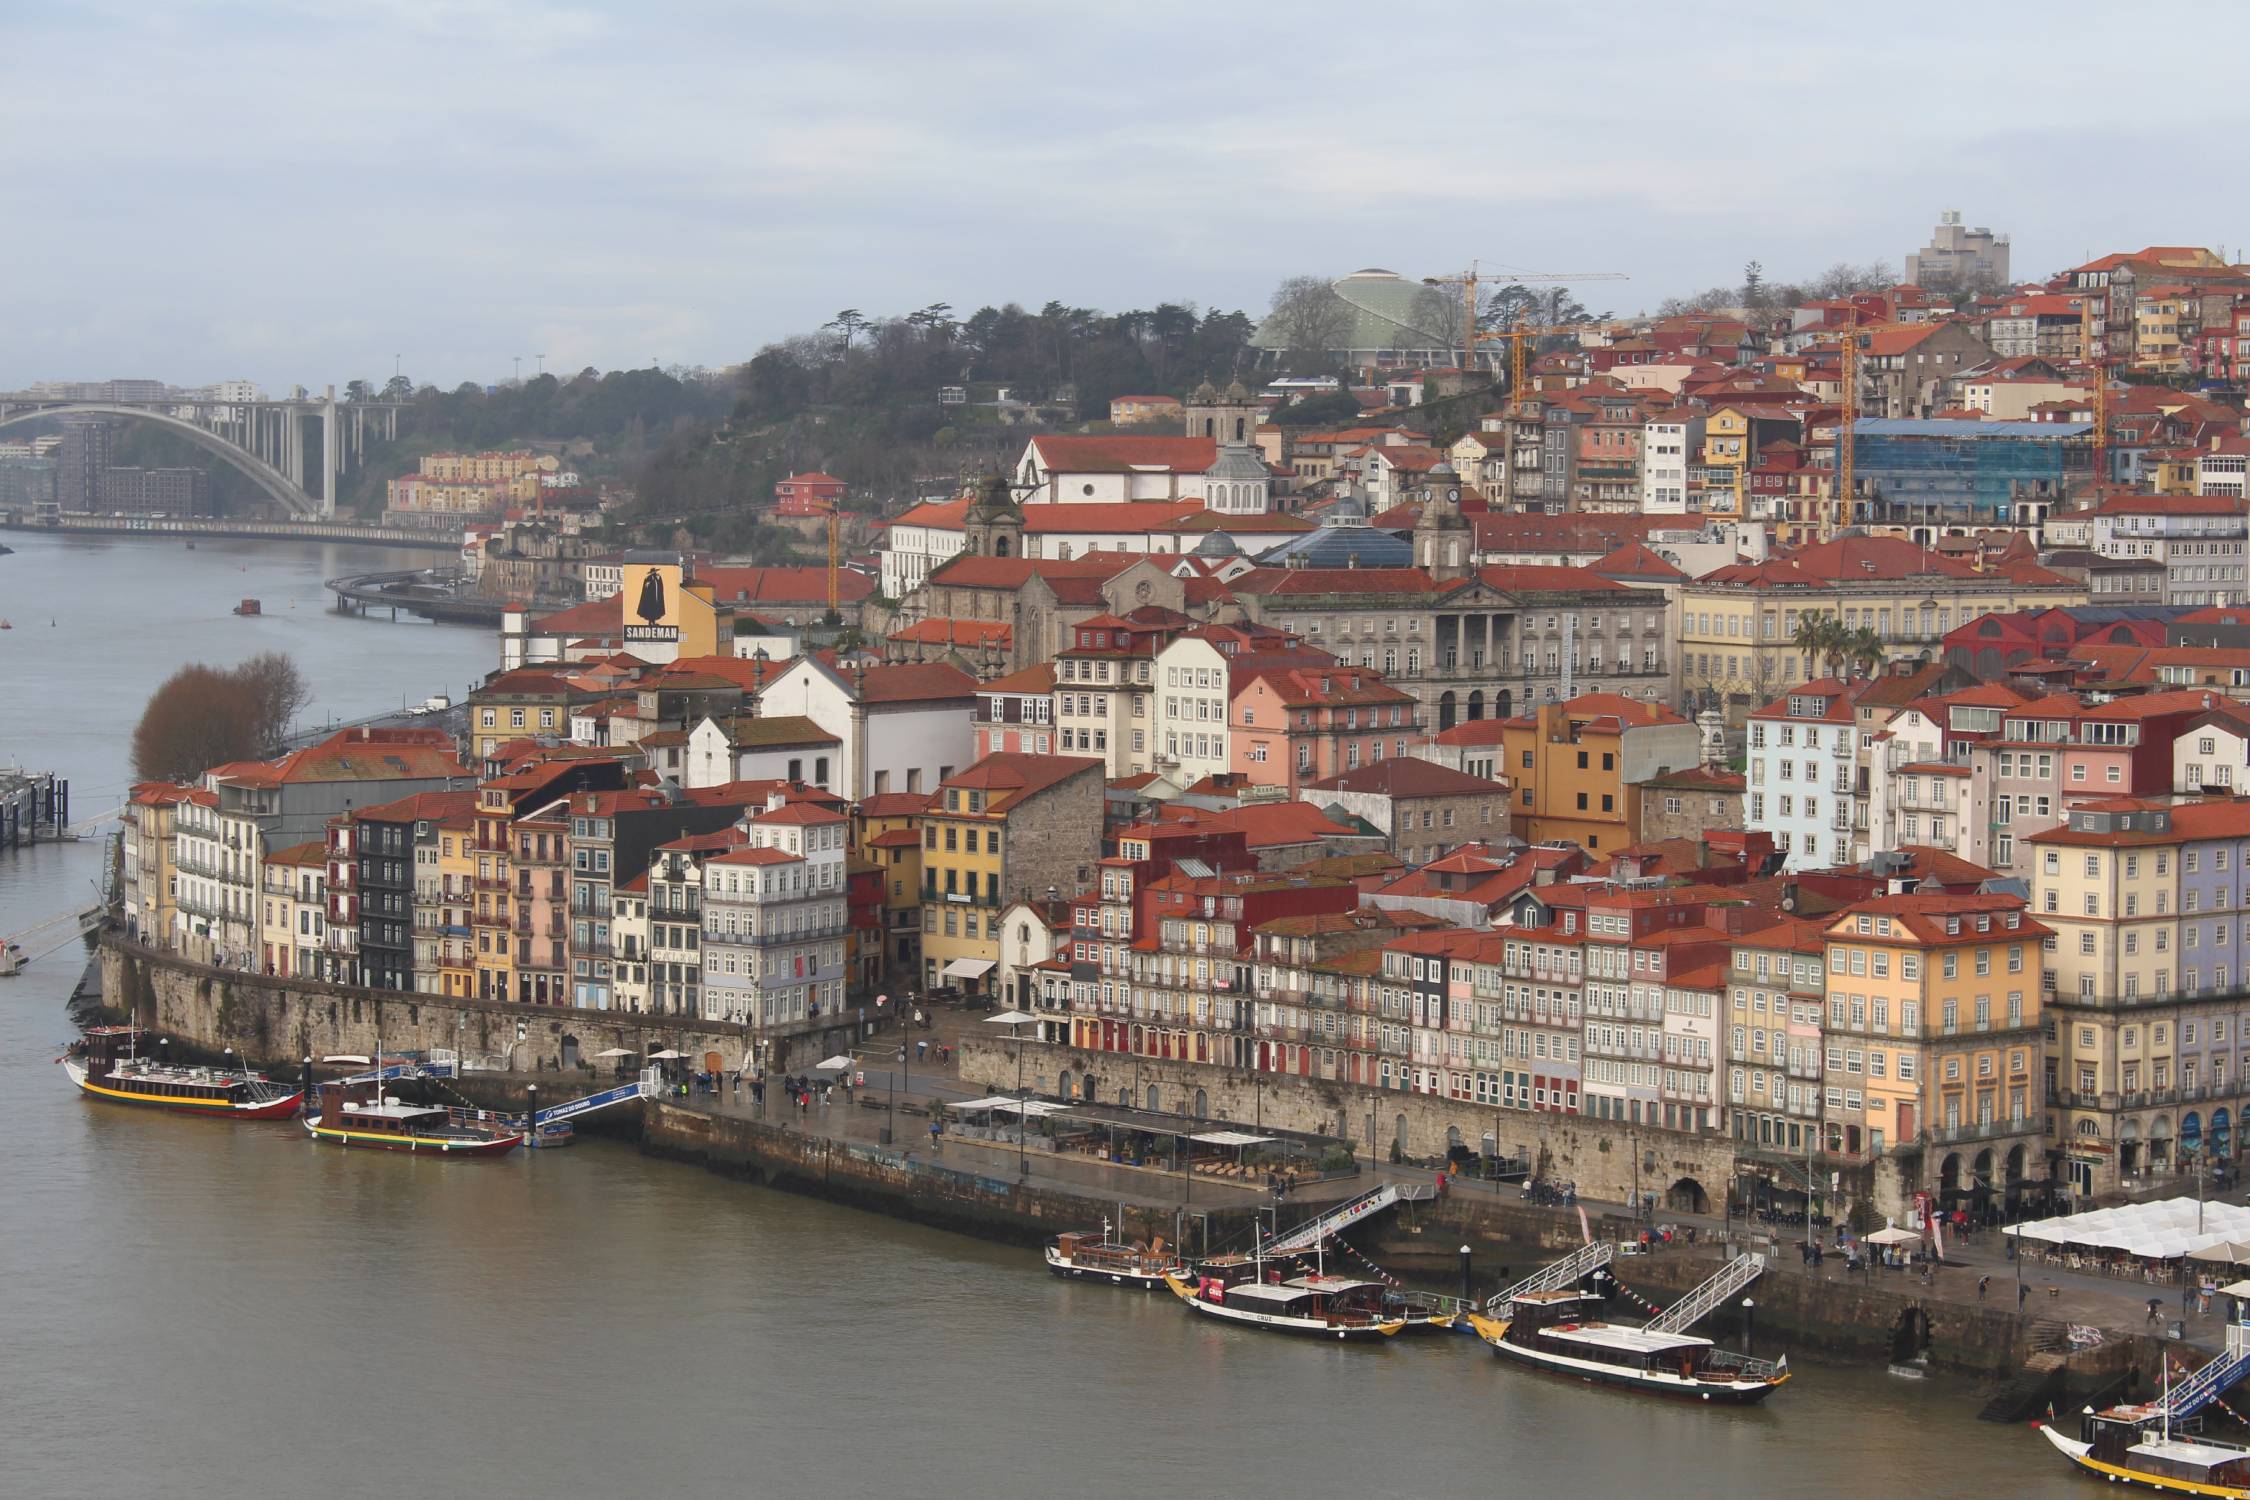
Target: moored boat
{"points": [[1563, 1332], [2153, 1444], [359, 1114], [1329, 1307], [1090, 1256], [106, 1064]]}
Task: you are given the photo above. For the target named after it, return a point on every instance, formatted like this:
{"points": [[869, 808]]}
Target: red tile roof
{"points": [[1121, 453]]}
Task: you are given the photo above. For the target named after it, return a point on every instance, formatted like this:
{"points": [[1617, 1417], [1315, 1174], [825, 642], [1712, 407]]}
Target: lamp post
{"points": [[1015, 1021], [1749, 1326]]}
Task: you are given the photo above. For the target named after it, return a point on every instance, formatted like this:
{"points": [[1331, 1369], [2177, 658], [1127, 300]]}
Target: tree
{"points": [[1864, 648], [277, 693], [1821, 637], [1309, 319], [204, 716], [199, 718], [398, 388], [358, 390], [847, 322], [1753, 285]]}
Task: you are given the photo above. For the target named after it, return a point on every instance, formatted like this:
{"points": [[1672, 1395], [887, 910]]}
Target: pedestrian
{"points": [[2155, 1309], [2022, 1292], [934, 1148], [1982, 1283]]}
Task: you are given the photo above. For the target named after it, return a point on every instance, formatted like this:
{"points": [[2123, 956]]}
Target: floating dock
{"points": [[34, 807]]}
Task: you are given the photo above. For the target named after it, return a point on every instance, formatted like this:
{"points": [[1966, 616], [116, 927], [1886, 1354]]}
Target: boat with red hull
{"points": [[360, 1115], [106, 1064]]}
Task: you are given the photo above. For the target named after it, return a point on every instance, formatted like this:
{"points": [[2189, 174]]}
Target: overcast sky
{"points": [[297, 191]]}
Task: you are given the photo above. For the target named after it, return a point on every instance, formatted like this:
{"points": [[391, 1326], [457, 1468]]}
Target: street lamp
{"points": [[1749, 1325], [1015, 1021]]}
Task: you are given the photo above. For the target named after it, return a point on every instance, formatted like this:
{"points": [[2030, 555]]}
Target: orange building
{"points": [[1575, 766]]}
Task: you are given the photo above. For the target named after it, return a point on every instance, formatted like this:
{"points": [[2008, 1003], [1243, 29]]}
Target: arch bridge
{"points": [[272, 442]]}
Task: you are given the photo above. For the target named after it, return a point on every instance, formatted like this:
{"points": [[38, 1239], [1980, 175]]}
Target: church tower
{"points": [[994, 522], [1229, 416], [1443, 538]]}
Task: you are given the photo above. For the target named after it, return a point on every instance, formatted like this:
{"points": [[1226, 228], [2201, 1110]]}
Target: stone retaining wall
{"points": [[1598, 1155], [276, 1022]]}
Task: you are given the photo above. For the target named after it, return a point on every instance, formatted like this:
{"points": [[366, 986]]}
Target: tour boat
{"points": [[105, 1065], [2136, 1444], [360, 1114], [249, 607], [1562, 1331], [1242, 1289], [1088, 1256]]}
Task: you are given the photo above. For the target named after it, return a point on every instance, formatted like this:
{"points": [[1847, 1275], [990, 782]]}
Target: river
{"points": [[196, 1309]]}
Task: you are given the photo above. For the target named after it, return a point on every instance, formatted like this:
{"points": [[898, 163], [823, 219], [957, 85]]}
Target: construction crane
{"points": [[1469, 280], [1847, 412]]}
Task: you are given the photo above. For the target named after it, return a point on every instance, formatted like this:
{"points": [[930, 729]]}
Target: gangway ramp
{"points": [[1318, 1230], [1691, 1309], [2209, 1383], [1568, 1271], [639, 1088]]}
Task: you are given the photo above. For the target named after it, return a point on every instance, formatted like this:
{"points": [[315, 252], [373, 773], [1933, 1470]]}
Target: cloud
{"points": [[295, 191]]}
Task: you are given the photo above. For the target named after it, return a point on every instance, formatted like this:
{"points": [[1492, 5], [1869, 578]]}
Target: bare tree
{"points": [[1309, 318], [276, 693]]}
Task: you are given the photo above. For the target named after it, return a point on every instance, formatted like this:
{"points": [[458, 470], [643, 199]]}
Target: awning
{"points": [[1894, 1236], [2236, 1289], [1038, 1109], [1232, 1138], [967, 968]]}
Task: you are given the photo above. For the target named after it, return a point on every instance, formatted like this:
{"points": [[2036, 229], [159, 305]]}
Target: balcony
{"points": [[2137, 1002], [1954, 1135]]}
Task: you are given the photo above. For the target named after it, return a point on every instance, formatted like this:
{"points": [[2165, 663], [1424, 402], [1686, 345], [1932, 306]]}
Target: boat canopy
{"points": [[1636, 1340], [1279, 1296], [1231, 1138], [2181, 1451]]}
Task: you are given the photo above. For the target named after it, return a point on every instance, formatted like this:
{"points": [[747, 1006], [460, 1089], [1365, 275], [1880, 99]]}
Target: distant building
{"points": [[83, 455], [813, 494], [155, 492], [1125, 411], [449, 486], [1957, 256]]}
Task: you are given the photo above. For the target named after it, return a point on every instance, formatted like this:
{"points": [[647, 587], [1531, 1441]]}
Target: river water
{"points": [[199, 1309]]}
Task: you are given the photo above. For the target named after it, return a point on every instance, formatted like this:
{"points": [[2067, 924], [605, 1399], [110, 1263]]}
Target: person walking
{"points": [[2155, 1309], [1982, 1283], [2022, 1292]]}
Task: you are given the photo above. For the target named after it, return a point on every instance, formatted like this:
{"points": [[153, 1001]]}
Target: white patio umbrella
{"points": [[1893, 1235], [667, 1055], [617, 1052]]}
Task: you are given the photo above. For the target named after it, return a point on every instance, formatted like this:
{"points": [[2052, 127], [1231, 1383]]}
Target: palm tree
{"points": [[1818, 634], [1865, 649]]}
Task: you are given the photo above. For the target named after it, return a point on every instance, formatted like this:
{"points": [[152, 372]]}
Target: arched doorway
{"points": [[1454, 1150], [2222, 1133], [1949, 1176], [2129, 1148], [1910, 1336], [1447, 707], [2160, 1144], [1686, 1196], [1398, 1132], [1476, 703], [1502, 701], [569, 1051], [2191, 1136], [1152, 1105], [1202, 1105], [1066, 1082]]}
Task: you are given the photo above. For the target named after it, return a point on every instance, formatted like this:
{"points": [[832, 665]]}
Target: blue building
{"points": [[1938, 472]]}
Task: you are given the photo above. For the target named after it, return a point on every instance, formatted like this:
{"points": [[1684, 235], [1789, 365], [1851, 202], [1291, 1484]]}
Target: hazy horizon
{"points": [[274, 190]]}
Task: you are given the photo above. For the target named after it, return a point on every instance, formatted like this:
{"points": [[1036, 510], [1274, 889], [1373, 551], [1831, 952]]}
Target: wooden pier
{"points": [[34, 808]]}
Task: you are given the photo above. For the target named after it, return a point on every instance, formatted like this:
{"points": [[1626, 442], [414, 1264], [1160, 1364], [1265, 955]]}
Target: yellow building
{"points": [[2144, 985], [1726, 457], [1575, 766], [887, 832], [492, 920], [1932, 1043], [150, 879], [293, 915], [456, 881], [1007, 828], [1738, 625]]}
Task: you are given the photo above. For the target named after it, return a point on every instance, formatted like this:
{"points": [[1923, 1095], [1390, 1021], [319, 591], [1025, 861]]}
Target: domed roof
{"points": [[1236, 462], [1442, 472], [1204, 394], [1371, 273], [1236, 391], [1217, 544]]}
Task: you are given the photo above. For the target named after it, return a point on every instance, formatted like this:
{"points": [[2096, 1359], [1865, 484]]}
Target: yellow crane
{"points": [[1840, 504]]}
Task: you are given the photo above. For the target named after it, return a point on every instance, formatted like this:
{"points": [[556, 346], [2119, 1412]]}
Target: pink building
{"points": [[1291, 725]]}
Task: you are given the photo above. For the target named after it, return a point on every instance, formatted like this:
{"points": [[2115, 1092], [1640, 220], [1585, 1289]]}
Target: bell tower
{"points": [[1229, 416], [993, 525]]}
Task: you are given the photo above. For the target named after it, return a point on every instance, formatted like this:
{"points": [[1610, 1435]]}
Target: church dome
{"points": [[1217, 545], [1204, 394], [1236, 392]]}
